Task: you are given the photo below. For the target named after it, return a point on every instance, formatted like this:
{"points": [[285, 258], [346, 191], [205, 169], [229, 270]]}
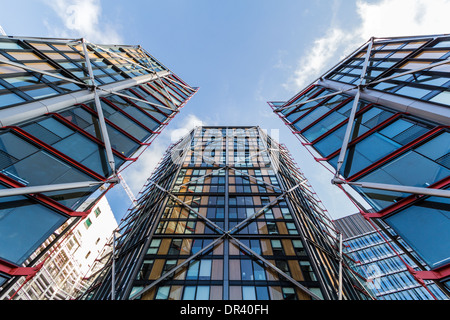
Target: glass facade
{"points": [[215, 222], [63, 142], [399, 136]]}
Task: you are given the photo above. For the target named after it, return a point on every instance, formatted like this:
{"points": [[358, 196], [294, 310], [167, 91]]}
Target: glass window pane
{"points": [[9, 99], [205, 270], [248, 293], [193, 270], [437, 147], [189, 293], [163, 293], [443, 97], [202, 293], [41, 92], [24, 225]]}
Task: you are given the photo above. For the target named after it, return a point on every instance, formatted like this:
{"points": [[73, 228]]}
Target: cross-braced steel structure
{"points": [[72, 115], [227, 216], [379, 122]]}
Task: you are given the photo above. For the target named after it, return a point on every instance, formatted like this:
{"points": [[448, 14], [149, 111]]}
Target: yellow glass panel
{"points": [[266, 248], [282, 228], [149, 294], [235, 269], [171, 227], [74, 56], [302, 295], [181, 273], [270, 274], [164, 247]]}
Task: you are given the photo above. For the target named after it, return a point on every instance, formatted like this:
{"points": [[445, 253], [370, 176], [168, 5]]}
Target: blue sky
{"points": [[241, 53]]}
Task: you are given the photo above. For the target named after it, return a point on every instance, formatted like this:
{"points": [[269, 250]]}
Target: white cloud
{"points": [[384, 18], [82, 19], [318, 57]]}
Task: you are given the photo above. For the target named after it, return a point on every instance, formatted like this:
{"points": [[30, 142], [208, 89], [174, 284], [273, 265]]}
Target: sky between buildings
{"points": [[241, 53]]}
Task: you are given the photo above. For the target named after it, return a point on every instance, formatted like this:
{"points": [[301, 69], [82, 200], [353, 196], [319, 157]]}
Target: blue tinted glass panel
{"points": [[9, 99], [24, 225], [363, 153], [125, 123]]}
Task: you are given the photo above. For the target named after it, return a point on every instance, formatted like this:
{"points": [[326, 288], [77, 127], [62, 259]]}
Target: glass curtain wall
{"points": [[216, 222], [399, 136], [66, 144]]}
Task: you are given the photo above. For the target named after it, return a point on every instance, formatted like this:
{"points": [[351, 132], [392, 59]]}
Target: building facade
{"points": [[72, 114], [227, 216], [66, 272], [379, 122], [380, 261]]}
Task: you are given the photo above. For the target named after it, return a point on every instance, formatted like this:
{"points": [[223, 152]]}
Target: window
{"points": [[431, 157], [87, 223], [432, 218]]}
